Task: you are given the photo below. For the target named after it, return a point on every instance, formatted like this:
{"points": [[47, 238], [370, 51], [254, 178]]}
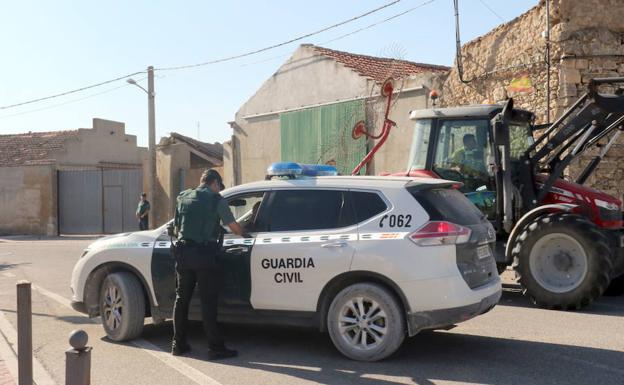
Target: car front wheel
{"points": [[366, 322], [122, 306]]}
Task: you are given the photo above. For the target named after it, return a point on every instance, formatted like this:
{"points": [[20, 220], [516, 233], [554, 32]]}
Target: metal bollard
{"points": [[24, 334], [78, 359]]}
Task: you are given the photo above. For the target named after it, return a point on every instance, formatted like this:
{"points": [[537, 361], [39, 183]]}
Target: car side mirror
{"points": [[237, 203]]}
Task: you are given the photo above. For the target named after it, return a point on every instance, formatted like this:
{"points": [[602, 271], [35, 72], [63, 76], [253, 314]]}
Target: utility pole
{"points": [[151, 118], [547, 61]]}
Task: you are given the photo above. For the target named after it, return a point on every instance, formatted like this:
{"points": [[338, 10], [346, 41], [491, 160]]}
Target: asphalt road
{"points": [[513, 344]]}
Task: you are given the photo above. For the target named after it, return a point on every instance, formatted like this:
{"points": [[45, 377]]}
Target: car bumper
{"points": [[440, 318], [79, 307]]}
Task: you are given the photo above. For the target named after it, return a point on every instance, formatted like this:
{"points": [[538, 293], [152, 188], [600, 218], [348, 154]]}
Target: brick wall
{"points": [[587, 41]]}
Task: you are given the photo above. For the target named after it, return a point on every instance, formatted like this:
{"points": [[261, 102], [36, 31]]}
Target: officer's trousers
{"points": [[209, 282]]}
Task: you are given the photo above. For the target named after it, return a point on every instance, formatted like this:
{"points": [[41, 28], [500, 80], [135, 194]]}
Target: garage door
{"points": [[98, 201]]}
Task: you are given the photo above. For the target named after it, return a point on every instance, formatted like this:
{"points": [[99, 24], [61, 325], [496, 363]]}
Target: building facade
{"points": [[306, 111], [78, 181]]}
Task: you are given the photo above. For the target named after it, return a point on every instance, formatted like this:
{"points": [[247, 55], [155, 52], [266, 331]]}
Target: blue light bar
{"points": [[296, 170]]}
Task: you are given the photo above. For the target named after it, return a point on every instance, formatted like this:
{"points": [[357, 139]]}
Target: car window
{"points": [[245, 209], [367, 205], [294, 210]]}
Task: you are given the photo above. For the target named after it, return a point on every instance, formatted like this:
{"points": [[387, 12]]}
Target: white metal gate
{"points": [[98, 201]]}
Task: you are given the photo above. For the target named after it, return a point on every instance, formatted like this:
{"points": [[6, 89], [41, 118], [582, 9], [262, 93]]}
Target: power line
{"points": [[280, 44], [208, 62], [492, 10], [67, 102], [72, 91], [350, 33]]}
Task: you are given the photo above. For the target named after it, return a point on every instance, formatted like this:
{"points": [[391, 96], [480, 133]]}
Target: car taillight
{"points": [[437, 233]]}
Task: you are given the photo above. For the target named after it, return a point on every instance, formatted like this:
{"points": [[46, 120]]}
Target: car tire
{"points": [[562, 261], [122, 306], [380, 330]]}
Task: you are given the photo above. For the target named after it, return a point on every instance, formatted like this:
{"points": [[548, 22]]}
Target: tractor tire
{"points": [[616, 287], [562, 261]]}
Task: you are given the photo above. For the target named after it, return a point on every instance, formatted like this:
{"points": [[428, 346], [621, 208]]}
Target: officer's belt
{"points": [[190, 242]]}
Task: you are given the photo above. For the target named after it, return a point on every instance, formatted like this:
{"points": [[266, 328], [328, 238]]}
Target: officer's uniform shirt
{"points": [[142, 208], [198, 213]]}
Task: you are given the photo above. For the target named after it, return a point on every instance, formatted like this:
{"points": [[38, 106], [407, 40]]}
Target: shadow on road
{"points": [[76, 320], [423, 359], [9, 266], [611, 306]]}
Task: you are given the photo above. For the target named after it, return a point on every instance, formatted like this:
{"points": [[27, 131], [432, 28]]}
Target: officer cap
{"points": [[211, 175]]}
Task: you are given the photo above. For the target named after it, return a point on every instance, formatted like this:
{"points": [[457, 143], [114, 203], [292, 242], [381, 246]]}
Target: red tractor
{"points": [[563, 239]]}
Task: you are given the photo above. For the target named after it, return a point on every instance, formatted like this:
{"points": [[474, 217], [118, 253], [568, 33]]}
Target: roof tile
{"points": [[33, 148], [378, 68]]}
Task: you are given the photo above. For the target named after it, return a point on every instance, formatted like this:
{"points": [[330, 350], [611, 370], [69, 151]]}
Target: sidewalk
{"points": [[5, 376]]}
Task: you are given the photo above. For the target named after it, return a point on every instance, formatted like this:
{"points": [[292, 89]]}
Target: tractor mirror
{"points": [[500, 130]]}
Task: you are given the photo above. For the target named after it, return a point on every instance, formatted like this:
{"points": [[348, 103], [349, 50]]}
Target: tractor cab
{"points": [[456, 144]]}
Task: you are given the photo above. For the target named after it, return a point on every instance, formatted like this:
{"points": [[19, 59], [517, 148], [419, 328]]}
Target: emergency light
{"points": [[292, 170]]}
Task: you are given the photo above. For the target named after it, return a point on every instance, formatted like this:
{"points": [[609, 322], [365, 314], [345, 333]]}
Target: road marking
{"points": [[40, 375], [9, 275], [166, 357], [163, 356]]}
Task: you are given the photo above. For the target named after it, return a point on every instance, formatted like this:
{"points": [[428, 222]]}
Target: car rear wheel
{"points": [[366, 322], [562, 261], [122, 306]]}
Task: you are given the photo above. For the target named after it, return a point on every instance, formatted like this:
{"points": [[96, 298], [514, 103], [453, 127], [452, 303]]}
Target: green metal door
{"points": [[321, 135]]}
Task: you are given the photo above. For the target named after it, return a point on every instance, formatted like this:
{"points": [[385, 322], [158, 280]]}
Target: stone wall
{"points": [[28, 203], [587, 41]]}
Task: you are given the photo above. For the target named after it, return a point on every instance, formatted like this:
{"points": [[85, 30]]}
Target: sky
{"points": [[49, 47]]}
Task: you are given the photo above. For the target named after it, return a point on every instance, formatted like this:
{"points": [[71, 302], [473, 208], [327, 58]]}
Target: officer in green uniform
{"points": [[197, 228], [142, 212]]}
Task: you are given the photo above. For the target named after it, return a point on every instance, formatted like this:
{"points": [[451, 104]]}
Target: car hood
{"points": [[122, 240]]}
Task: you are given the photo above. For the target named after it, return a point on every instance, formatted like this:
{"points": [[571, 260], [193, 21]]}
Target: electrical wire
{"points": [[350, 33], [492, 10], [458, 55], [72, 91], [208, 62], [229, 58], [69, 101]]}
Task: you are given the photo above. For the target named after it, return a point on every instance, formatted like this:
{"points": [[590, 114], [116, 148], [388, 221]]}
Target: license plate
{"points": [[484, 251]]}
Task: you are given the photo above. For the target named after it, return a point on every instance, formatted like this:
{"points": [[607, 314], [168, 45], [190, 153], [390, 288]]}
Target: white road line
{"points": [[9, 275], [165, 357], [40, 375]]}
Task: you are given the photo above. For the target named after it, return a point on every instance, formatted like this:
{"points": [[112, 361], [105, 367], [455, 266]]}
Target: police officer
{"points": [[197, 227]]}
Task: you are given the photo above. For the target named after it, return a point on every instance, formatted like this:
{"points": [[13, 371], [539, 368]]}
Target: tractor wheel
{"points": [[562, 261], [616, 287]]}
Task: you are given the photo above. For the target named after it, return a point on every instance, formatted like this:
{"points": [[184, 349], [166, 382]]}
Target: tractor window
{"points": [[420, 145], [462, 153], [520, 138]]}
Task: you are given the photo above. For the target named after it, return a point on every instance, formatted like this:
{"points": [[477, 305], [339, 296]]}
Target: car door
{"points": [[235, 257], [305, 238]]}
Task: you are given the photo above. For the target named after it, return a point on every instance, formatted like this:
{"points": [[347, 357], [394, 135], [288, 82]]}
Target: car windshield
{"points": [[520, 138], [420, 144]]}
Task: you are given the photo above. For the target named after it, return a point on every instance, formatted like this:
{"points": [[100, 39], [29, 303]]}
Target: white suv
{"points": [[367, 259]]}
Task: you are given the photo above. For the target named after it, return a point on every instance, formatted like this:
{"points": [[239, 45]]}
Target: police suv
{"points": [[367, 259]]}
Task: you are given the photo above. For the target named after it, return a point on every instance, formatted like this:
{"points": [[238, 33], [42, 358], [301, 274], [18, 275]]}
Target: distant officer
{"points": [[196, 225], [142, 212]]}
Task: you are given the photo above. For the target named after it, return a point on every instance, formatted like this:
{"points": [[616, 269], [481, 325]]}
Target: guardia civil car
{"points": [[370, 260]]}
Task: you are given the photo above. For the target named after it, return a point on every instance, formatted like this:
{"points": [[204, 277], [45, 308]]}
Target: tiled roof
{"points": [[214, 150], [378, 68], [33, 148]]}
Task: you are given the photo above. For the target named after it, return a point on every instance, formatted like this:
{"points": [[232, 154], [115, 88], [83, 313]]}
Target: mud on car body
{"points": [[370, 260]]}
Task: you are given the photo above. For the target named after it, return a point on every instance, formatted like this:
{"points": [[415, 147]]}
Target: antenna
{"points": [[198, 130]]}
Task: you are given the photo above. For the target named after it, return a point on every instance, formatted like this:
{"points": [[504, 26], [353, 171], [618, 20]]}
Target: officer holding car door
{"points": [[197, 227]]}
